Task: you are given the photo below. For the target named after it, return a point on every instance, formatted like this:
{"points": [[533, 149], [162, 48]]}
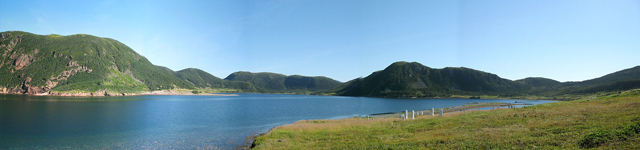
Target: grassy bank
{"points": [[610, 122]]}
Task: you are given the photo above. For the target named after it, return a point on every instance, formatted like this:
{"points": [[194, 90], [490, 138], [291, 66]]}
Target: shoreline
{"points": [[107, 94], [384, 117], [188, 92], [542, 126]]}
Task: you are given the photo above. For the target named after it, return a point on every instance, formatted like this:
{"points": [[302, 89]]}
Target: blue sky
{"points": [[565, 40]]}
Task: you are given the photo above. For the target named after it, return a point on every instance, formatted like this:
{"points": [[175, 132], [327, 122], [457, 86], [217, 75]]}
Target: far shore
{"points": [[107, 94]]}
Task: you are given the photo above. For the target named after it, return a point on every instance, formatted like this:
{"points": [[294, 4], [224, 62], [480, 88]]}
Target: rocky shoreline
{"points": [[108, 94]]}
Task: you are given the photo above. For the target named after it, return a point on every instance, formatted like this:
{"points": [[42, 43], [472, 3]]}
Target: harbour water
{"points": [[181, 122]]}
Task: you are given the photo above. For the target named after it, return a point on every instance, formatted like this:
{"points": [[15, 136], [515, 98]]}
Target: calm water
{"points": [[182, 122]]}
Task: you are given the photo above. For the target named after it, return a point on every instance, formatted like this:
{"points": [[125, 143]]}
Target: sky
{"points": [[565, 40]]}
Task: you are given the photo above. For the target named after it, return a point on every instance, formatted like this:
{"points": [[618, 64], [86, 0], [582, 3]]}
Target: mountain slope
{"points": [[403, 79], [620, 80], [203, 79], [273, 82], [31, 63]]}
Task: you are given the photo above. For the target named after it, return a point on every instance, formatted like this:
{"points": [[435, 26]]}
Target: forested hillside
{"points": [[203, 79], [273, 82], [404, 79], [81, 63], [33, 63]]}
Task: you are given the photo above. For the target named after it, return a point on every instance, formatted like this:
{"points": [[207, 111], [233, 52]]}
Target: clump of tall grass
{"points": [[601, 137]]}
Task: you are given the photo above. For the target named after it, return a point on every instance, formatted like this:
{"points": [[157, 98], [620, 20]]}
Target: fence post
{"points": [[406, 114], [432, 110], [441, 112], [413, 114]]}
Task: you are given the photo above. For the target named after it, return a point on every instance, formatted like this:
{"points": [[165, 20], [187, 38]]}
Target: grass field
{"points": [[610, 122]]}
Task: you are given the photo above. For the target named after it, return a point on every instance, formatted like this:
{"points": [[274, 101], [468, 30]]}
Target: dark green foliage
{"points": [[273, 82], [607, 87], [104, 57], [618, 81], [310, 83], [600, 137], [269, 81], [203, 79], [404, 80], [540, 82], [165, 69], [622, 75]]}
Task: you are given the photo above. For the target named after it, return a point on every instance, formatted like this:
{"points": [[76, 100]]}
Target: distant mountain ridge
{"points": [[404, 79], [34, 64], [203, 79], [279, 82]]}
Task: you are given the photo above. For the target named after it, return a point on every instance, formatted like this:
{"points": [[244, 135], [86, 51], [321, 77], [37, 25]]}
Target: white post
{"points": [[413, 114], [432, 110], [441, 111], [367, 117], [406, 114]]}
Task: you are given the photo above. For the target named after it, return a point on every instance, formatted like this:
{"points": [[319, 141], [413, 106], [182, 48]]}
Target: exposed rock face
{"points": [[419, 84], [10, 46], [75, 68], [28, 89], [25, 88], [72, 63], [51, 84], [5, 35], [23, 61]]}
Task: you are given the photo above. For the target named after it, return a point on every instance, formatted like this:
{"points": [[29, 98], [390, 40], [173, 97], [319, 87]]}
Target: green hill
{"points": [[404, 79], [273, 82], [203, 79], [31, 63], [618, 81]]}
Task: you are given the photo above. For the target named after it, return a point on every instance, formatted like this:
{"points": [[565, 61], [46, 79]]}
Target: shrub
{"points": [[600, 137]]}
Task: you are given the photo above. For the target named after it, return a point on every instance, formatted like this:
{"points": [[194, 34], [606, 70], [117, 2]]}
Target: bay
{"points": [[180, 122]]}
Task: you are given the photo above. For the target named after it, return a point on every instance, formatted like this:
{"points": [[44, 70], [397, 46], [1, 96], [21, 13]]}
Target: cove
{"points": [[180, 122]]}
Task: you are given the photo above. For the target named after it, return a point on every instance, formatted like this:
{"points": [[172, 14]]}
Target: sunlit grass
{"points": [[545, 126]]}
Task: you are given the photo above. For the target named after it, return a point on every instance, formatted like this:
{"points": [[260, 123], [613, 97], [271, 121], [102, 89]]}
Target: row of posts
{"points": [[413, 114]]}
